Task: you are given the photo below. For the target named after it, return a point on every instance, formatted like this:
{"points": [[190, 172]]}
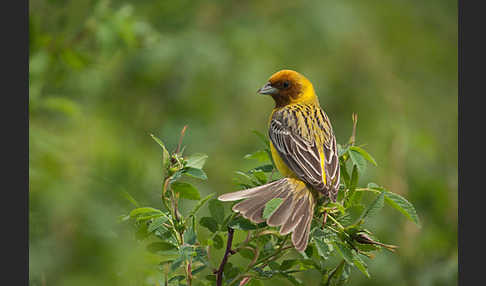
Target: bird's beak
{"points": [[268, 89]]}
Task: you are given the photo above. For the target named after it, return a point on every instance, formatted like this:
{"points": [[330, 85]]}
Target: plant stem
{"points": [[336, 222], [229, 242]]}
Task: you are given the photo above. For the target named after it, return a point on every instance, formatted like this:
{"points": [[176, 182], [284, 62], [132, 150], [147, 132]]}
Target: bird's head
{"points": [[288, 86]]}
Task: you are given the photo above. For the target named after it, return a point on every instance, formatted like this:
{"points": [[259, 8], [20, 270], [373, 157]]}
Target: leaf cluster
{"points": [[339, 240]]}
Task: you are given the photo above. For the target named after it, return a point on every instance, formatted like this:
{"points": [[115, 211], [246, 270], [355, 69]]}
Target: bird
{"points": [[304, 150]]}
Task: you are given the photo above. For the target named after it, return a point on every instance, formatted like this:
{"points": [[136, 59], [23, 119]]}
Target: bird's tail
{"points": [[294, 214]]}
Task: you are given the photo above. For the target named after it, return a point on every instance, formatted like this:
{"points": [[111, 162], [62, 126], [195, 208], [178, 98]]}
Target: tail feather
{"points": [[293, 215]]}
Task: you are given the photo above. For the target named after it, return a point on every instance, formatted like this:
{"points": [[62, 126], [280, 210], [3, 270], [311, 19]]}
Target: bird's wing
{"points": [[305, 156]]}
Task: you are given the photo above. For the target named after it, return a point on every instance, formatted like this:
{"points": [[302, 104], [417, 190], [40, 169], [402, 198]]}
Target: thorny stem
{"points": [[219, 273]]}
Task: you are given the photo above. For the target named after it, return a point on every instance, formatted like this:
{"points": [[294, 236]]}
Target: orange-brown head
{"points": [[288, 86]]}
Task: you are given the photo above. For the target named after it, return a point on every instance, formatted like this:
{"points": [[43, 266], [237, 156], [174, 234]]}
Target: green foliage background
{"points": [[105, 74]]}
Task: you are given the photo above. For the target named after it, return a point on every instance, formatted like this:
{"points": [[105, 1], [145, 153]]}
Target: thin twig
{"points": [[219, 273]]}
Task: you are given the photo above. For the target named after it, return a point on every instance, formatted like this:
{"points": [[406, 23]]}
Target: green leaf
{"points": [[176, 278], [218, 241], [271, 206], [291, 278], [186, 190], [209, 223], [365, 154], [195, 173], [359, 263], [197, 270], [344, 250], [344, 174], [265, 168], [302, 264], [341, 150], [402, 205], [323, 248], [216, 209], [196, 160], [241, 224], [190, 236], [143, 210], [158, 222], [246, 253], [260, 155], [375, 206], [262, 137], [157, 247], [350, 198], [130, 199], [357, 160], [260, 176], [353, 214], [176, 263], [200, 204], [165, 153]]}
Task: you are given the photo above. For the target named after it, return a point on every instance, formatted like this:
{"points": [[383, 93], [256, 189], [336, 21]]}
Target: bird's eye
{"points": [[286, 84]]}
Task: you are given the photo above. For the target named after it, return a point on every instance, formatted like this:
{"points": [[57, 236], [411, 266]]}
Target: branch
{"points": [[219, 273]]}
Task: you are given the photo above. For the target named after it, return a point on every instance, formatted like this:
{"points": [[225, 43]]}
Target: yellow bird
{"points": [[304, 150]]}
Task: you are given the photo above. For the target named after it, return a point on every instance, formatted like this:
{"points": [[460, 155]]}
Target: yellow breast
{"points": [[280, 164]]}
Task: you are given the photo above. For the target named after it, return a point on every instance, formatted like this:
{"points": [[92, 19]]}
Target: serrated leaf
{"points": [[323, 248], [130, 199], [196, 160], [344, 250], [209, 223], [260, 155], [344, 174], [176, 278], [352, 214], [165, 153], [350, 198], [195, 173], [260, 176], [200, 204], [265, 168], [271, 206], [190, 236], [375, 206], [197, 270], [359, 263], [216, 209], [158, 222], [246, 253], [218, 241], [342, 150], [291, 278], [157, 247], [357, 160], [143, 210], [241, 224], [262, 137], [365, 154], [402, 205], [186, 190], [176, 263]]}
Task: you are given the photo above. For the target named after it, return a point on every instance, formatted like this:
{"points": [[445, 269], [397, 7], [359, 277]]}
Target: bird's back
{"points": [[308, 123]]}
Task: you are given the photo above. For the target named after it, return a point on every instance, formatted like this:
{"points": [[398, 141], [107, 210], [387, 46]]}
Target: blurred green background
{"points": [[105, 74]]}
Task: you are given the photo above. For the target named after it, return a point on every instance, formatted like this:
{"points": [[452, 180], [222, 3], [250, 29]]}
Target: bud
{"points": [[363, 238]]}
